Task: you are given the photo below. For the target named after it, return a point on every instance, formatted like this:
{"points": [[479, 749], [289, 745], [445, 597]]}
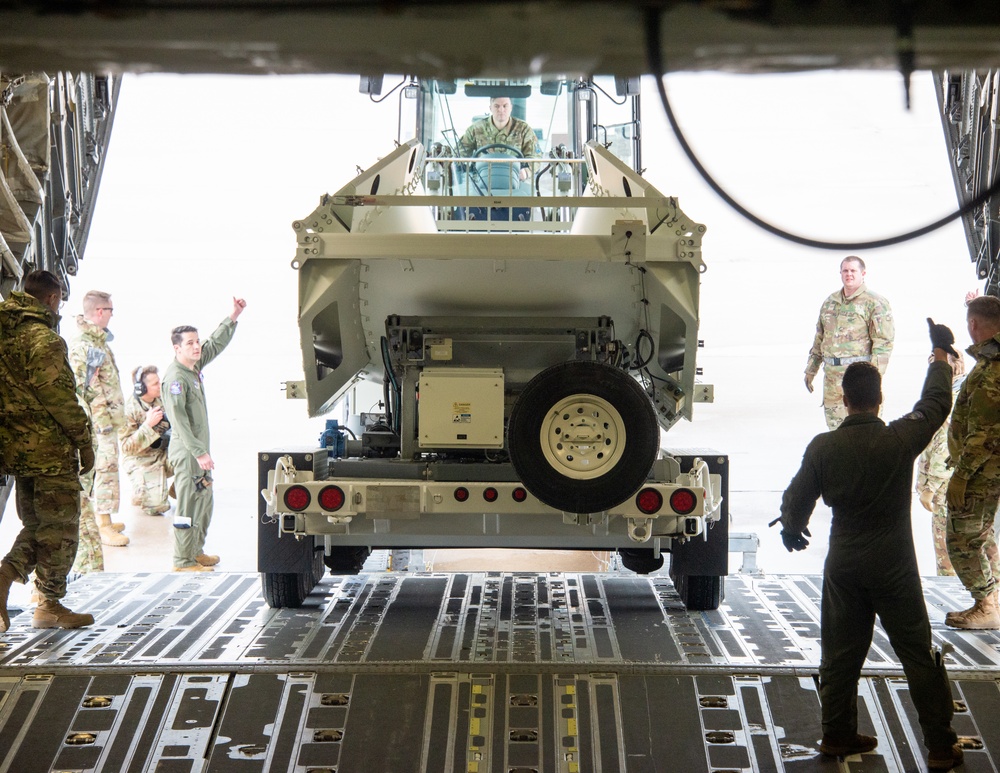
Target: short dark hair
{"points": [[863, 386], [985, 308], [41, 284], [177, 334], [853, 259]]}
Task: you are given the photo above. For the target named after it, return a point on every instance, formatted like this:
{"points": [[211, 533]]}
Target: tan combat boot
{"points": [[207, 560], [52, 614], [984, 616], [109, 536], [7, 577]]}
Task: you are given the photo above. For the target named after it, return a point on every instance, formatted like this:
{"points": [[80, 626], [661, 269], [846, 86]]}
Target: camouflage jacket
{"points": [[932, 468], [853, 327], [518, 134], [138, 439], [102, 391], [974, 436], [41, 423]]}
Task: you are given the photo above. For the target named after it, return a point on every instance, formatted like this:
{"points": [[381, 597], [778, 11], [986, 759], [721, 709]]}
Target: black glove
{"points": [[86, 459], [795, 541], [942, 337]]}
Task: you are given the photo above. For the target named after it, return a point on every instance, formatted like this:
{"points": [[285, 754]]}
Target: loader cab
{"points": [[563, 114]]}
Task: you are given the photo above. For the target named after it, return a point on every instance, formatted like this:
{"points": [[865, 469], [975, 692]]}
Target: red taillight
{"points": [[649, 501], [683, 501], [461, 494], [297, 498], [332, 498], [519, 494], [490, 494]]}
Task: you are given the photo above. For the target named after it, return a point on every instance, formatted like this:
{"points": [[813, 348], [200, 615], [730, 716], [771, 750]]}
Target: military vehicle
{"points": [[533, 325]]}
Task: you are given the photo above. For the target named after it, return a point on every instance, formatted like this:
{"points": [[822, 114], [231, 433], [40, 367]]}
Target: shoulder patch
{"points": [[175, 387], [915, 416]]}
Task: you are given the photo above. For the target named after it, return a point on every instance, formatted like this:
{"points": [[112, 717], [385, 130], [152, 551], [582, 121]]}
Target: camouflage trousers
{"points": [[89, 551], [972, 545], [939, 530], [106, 491], [49, 509], [148, 480], [834, 410]]}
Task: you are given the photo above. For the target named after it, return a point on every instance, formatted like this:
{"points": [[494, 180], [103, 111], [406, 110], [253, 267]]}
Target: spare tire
{"points": [[583, 436]]}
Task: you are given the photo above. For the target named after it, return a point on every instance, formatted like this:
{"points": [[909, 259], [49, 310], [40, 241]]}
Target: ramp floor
{"points": [[473, 673]]}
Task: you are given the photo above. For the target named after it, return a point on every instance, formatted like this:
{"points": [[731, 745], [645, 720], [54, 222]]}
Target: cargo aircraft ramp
{"points": [[474, 672]]}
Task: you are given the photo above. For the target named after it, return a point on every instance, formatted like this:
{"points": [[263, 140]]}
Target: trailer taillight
{"points": [[683, 501], [490, 494], [297, 498], [332, 498], [649, 501], [519, 494], [461, 494]]}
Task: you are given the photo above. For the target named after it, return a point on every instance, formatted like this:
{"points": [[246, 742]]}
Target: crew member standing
{"points": [[855, 325], [189, 452], [974, 489], [864, 472], [98, 385], [45, 443]]}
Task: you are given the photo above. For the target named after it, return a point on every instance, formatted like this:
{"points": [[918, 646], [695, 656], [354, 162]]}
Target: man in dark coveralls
{"points": [[864, 472]]}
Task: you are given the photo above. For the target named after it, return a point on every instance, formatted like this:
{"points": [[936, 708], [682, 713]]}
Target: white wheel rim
{"points": [[583, 437]]}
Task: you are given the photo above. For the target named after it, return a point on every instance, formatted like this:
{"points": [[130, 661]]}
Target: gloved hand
{"points": [[926, 499], [942, 337], [86, 459], [794, 540], [809, 381], [956, 492]]}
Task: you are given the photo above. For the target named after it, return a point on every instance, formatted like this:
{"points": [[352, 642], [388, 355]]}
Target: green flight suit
{"points": [[184, 401], [864, 472]]}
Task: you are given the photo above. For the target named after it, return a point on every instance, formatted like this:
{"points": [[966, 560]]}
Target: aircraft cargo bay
{"points": [[477, 672]]}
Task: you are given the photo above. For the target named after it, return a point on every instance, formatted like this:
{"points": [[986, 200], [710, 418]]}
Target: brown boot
{"points": [[52, 614], [951, 617], [7, 577], [118, 526], [984, 616], [207, 560], [945, 759], [109, 536]]}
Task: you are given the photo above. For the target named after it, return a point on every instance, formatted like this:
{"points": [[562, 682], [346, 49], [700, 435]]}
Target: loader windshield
{"points": [[519, 138]]}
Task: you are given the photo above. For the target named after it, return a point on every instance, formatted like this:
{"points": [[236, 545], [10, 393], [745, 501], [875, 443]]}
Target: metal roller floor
{"points": [[473, 673]]}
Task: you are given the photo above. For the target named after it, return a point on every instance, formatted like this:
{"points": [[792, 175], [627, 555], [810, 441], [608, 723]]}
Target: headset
{"points": [[139, 387]]}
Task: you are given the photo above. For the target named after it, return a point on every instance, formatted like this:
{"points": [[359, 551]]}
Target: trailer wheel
{"points": [[347, 560], [640, 560], [284, 589], [700, 592], [583, 436]]}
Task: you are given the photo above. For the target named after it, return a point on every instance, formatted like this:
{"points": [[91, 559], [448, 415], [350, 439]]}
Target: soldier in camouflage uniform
{"points": [[98, 385], [189, 455], [932, 479], [145, 438], [45, 443], [855, 325], [500, 128], [974, 489]]}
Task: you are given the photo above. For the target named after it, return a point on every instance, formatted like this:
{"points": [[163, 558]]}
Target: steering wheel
{"points": [[495, 145]]}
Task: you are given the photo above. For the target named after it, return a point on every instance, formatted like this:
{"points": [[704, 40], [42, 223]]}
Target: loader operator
{"points": [[864, 472], [500, 127], [189, 455]]}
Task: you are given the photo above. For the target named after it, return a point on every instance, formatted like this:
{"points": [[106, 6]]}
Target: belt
{"points": [[847, 360]]}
